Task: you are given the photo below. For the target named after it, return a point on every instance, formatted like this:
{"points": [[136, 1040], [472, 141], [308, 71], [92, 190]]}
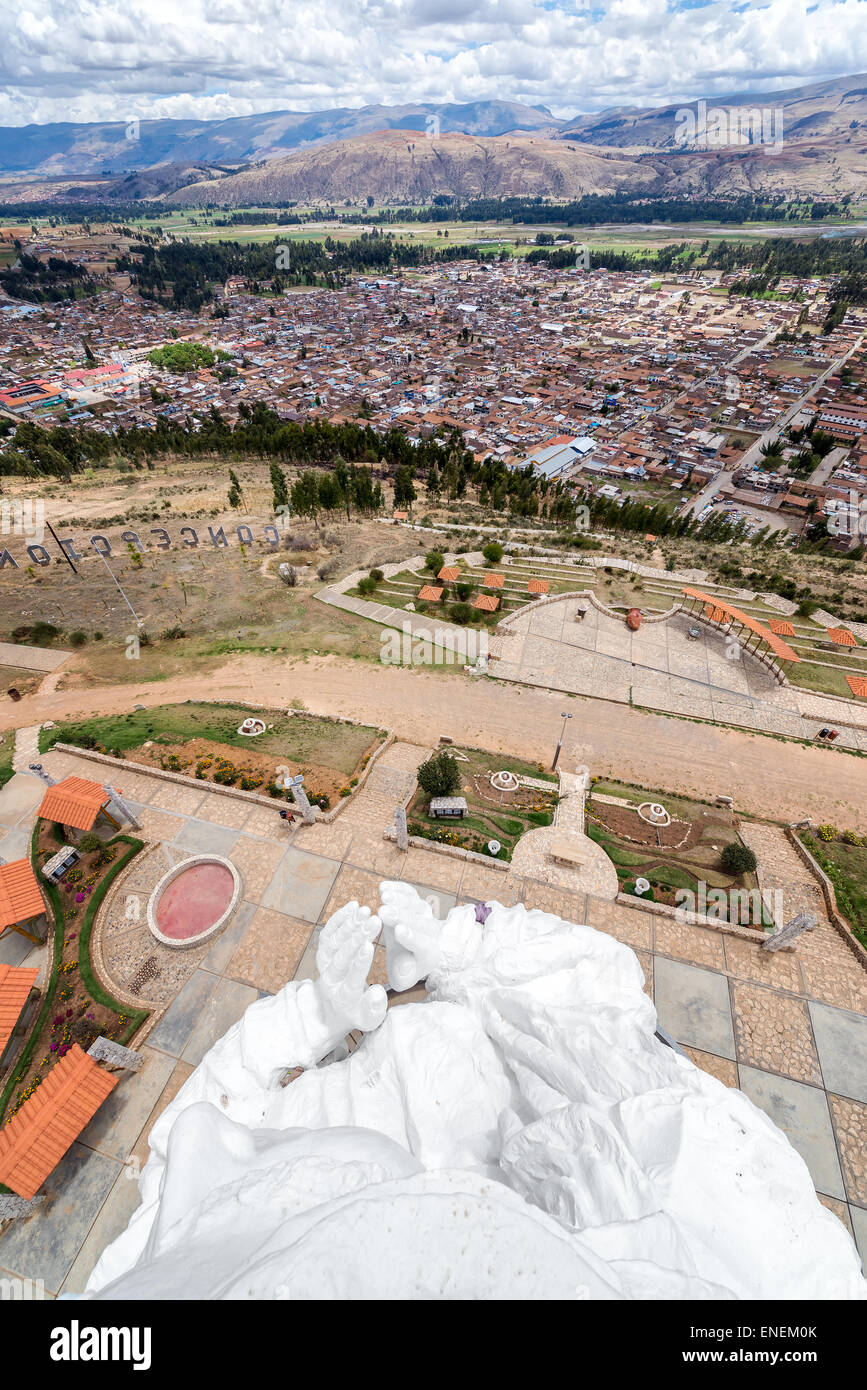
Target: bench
{"points": [[563, 852]]}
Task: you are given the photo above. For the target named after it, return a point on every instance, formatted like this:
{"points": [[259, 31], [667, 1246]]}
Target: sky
{"points": [[91, 60]]}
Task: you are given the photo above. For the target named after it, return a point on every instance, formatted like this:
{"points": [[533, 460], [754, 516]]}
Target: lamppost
{"points": [[560, 742]]}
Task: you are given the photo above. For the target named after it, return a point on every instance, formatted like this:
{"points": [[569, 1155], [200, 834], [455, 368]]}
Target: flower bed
{"points": [[75, 1008]]}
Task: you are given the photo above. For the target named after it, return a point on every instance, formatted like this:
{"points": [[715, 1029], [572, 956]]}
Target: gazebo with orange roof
{"points": [[493, 581], [20, 897], [76, 802], [48, 1123], [430, 593], [537, 586], [716, 610], [487, 603], [842, 637], [449, 573], [16, 982]]}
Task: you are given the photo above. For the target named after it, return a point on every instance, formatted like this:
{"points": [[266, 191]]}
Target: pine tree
{"points": [[278, 484], [235, 494]]}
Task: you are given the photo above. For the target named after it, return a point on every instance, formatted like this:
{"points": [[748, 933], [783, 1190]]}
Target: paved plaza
{"points": [[788, 1028], [660, 667]]}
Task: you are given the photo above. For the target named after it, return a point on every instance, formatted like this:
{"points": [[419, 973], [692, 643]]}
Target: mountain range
{"points": [[817, 148]]}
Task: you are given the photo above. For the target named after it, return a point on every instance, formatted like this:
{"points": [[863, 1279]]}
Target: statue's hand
{"points": [[411, 932], [343, 957]]}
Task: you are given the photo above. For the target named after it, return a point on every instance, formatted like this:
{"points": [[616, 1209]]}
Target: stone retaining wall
{"points": [[203, 784], [694, 919], [454, 851]]}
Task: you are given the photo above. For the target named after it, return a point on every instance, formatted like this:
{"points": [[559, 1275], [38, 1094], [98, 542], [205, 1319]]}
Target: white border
{"points": [[175, 872]]}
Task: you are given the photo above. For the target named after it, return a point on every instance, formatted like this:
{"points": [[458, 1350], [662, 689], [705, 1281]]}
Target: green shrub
{"points": [[737, 858], [493, 552], [377, 576], [440, 775], [366, 586], [434, 561], [90, 842], [461, 613], [77, 639]]}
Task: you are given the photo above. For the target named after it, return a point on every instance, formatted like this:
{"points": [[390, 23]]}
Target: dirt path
{"points": [[764, 775]]}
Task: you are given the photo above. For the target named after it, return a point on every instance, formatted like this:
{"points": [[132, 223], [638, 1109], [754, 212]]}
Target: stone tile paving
{"points": [[687, 942], [802, 1113], [773, 1032], [850, 1123], [271, 950], [722, 1068], [294, 880]]}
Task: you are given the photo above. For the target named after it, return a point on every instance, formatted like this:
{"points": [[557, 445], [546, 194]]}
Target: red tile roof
{"points": [[537, 586], [489, 603], [715, 607], [75, 801], [20, 897], [449, 573], [38, 1135], [781, 627], [493, 581], [858, 686], [842, 636], [430, 594], [16, 983]]}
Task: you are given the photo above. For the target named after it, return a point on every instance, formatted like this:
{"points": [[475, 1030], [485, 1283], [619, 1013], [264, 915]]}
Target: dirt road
{"points": [[765, 776]]}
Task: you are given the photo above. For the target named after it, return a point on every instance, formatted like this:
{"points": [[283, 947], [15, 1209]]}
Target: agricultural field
{"points": [[492, 815], [678, 856], [202, 740]]}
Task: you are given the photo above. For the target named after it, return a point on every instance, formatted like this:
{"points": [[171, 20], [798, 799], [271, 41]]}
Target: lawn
{"points": [[199, 739], [493, 815], [688, 855], [7, 748], [846, 866]]}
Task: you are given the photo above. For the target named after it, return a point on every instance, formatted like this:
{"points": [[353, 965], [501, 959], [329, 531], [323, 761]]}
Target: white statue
{"points": [[520, 1134]]}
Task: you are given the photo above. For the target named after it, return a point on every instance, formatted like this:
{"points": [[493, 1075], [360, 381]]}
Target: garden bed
{"points": [[492, 815], [202, 741], [689, 852], [75, 1007], [846, 866]]}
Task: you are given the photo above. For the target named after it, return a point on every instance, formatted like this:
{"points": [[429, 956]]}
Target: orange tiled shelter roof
{"points": [[430, 593], [16, 983], [449, 573], [858, 686], [38, 1135], [780, 648], [75, 801], [489, 603], [493, 581], [20, 897], [842, 636], [537, 586], [714, 615], [781, 627]]}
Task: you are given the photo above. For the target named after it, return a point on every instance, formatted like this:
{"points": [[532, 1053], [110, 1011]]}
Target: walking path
{"points": [[636, 746]]}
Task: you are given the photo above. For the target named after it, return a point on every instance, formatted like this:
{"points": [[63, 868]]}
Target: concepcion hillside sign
{"points": [[39, 554]]}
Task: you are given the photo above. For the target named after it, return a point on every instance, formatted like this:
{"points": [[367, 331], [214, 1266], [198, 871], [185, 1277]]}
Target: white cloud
{"points": [[100, 59]]}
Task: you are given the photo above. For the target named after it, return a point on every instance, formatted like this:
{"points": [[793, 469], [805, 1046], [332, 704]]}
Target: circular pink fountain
{"points": [[193, 900]]}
